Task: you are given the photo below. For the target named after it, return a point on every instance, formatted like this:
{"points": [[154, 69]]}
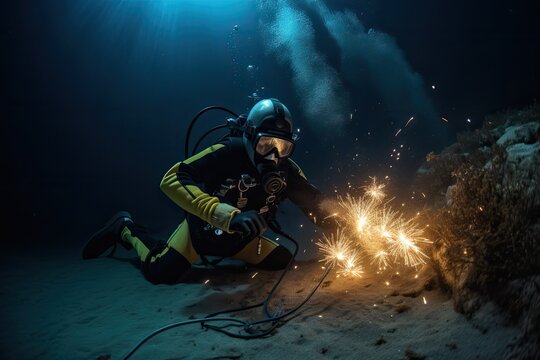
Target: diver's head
{"points": [[268, 135]]}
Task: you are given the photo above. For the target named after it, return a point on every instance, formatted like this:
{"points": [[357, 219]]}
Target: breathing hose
{"points": [[194, 120], [246, 325], [274, 319]]}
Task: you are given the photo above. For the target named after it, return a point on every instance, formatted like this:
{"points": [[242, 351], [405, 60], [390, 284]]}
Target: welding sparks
{"points": [[331, 215], [411, 119], [370, 228], [351, 266], [335, 248], [338, 250], [381, 258], [405, 247], [359, 212], [375, 190], [375, 230]]}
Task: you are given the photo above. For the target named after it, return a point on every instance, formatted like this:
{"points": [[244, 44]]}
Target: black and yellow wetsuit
{"points": [[212, 187]]}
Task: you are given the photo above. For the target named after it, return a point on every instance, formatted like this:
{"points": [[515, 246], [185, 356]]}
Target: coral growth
{"points": [[486, 220]]}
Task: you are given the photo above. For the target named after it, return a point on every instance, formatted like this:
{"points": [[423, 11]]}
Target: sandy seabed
{"points": [[65, 308]]}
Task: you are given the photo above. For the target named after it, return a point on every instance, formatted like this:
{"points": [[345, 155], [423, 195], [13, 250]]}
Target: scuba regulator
{"points": [[267, 136]]}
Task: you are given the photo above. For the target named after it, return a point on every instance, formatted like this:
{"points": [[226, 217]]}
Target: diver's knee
{"points": [[168, 269], [278, 259]]}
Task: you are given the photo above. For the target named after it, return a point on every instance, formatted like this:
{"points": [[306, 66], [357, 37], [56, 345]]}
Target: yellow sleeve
{"points": [[201, 204]]}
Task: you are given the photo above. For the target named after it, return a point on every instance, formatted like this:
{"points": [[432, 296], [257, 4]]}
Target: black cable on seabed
{"points": [[247, 326]]}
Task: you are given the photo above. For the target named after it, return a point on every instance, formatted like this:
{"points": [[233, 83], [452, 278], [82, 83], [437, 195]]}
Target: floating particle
{"points": [[411, 119], [254, 275], [424, 298], [444, 119], [398, 132], [433, 87]]}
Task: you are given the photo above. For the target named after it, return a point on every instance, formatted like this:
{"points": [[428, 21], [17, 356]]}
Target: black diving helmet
{"points": [[269, 140]]}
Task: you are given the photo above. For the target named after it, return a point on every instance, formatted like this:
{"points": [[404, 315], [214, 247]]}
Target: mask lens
{"points": [[268, 143]]}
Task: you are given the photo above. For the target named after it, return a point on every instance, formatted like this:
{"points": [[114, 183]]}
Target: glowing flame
{"points": [[359, 212], [375, 190], [351, 266], [335, 248], [338, 251], [361, 223], [405, 245], [372, 229], [381, 258]]}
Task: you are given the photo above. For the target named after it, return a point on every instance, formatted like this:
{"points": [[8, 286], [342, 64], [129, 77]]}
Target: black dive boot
{"points": [[107, 236]]}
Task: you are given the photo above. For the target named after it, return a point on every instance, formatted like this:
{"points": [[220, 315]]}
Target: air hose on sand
{"points": [[248, 329]]}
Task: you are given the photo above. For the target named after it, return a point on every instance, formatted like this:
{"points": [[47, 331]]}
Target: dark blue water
{"points": [[98, 94]]}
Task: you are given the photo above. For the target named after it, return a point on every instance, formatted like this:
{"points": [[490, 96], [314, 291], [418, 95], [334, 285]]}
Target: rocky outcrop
{"points": [[486, 221]]}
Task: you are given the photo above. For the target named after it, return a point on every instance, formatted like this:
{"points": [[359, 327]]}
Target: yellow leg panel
{"points": [[137, 244], [249, 252], [180, 241]]}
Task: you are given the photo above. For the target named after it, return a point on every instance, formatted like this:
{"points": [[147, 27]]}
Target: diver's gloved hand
{"points": [[250, 224]]}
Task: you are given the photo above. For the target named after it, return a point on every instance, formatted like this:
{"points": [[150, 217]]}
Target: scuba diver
{"points": [[230, 193]]}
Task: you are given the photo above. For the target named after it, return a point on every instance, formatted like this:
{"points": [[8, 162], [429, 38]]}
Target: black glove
{"points": [[250, 224]]}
